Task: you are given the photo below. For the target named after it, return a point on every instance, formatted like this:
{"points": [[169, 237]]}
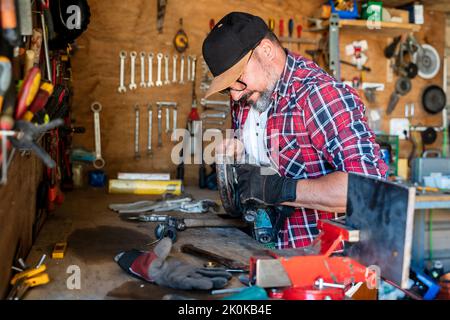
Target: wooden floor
{"points": [[95, 235]]}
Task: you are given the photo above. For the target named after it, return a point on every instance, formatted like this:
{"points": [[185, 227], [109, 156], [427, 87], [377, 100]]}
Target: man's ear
{"points": [[267, 49]]}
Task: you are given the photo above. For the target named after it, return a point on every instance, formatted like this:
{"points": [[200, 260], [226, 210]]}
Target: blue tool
{"points": [[97, 178]]}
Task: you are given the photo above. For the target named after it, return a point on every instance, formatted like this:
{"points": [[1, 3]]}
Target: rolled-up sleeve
{"points": [[334, 118]]}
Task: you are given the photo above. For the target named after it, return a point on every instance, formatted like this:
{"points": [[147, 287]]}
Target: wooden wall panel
{"points": [[17, 213], [118, 25], [432, 32], [131, 25]]}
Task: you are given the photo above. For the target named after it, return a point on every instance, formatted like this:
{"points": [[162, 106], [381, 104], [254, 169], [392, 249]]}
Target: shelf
{"points": [[386, 28]]}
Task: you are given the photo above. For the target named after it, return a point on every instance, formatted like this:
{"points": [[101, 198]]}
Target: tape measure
{"points": [[181, 41]]}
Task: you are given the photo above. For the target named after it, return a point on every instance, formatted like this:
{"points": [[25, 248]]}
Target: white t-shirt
{"points": [[254, 140]]}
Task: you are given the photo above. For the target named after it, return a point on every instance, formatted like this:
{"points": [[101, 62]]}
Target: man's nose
{"points": [[236, 95]]}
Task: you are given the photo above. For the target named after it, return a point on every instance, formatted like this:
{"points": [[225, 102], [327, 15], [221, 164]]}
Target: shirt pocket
{"points": [[290, 157]]}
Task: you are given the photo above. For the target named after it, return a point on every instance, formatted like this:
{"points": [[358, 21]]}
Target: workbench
{"points": [[95, 234], [425, 202]]}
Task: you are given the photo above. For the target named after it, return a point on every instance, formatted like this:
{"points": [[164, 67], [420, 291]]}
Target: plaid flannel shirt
{"points": [[315, 126]]}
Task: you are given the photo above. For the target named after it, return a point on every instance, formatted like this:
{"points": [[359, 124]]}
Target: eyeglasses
{"points": [[241, 85], [227, 91]]}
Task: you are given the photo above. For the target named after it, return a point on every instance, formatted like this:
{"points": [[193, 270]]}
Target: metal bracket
{"points": [[334, 47]]}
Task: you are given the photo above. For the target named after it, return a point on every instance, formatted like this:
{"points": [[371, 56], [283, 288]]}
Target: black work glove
{"points": [[268, 189], [167, 271]]}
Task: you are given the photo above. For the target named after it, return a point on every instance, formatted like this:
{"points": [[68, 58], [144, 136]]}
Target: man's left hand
{"points": [[269, 189]]}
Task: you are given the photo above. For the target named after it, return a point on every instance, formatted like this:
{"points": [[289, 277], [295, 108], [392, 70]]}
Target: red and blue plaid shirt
{"points": [[315, 126]]}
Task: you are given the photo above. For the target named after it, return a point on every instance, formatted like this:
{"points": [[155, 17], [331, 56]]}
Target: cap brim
{"points": [[227, 78]]}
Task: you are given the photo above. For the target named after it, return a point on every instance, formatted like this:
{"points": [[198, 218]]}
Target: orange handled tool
{"points": [[211, 24], [8, 19], [30, 87]]}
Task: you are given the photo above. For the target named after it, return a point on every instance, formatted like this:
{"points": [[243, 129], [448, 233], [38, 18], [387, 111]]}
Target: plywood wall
{"points": [[131, 25]]}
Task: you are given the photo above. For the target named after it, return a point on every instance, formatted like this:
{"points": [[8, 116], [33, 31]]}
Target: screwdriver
{"points": [[299, 35], [28, 91], [8, 19], [45, 91], [290, 30], [5, 77], [281, 26], [271, 24]]}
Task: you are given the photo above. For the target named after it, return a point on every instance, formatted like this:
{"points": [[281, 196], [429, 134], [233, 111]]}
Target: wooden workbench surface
{"points": [[95, 235], [432, 197]]}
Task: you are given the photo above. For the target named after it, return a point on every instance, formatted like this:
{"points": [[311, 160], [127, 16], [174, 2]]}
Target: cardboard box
{"points": [[397, 15]]}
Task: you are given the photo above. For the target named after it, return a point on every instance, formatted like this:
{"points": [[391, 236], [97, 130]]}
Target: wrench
{"points": [[150, 71], [149, 133], [136, 133], [143, 84], [99, 163], [194, 64], [175, 118], [182, 70], [189, 68], [174, 68], [216, 108], [122, 88], [220, 115], [168, 120], [158, 80], [159, 127], [205, 102], [166, 69], [210, 121], [133, 85]]}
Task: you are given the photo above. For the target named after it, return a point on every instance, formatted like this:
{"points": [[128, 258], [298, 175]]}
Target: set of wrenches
{"points": [[186, 71], [168, 106]]}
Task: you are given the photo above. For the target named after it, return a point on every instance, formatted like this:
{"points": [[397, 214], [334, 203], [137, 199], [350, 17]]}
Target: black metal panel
{"points": [[384, 213]]}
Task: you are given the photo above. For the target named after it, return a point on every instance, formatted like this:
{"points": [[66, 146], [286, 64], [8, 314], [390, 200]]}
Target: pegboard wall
{"points": [[131, 26]]}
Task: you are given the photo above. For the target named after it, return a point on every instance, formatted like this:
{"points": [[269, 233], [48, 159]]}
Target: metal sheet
{"points": [[384, 214]]}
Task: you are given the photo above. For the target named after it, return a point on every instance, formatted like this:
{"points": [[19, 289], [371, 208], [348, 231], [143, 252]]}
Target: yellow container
{"points": [[157, 187]]}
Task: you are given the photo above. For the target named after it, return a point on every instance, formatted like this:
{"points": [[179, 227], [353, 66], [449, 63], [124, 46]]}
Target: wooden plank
{"points": [[384, 214], [377, 28]]}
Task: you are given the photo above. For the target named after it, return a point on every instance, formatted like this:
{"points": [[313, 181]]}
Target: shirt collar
{"points": [[282, 85]]}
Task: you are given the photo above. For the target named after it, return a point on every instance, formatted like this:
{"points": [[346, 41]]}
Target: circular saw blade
{"points": [[227, 185], [428, 61]]}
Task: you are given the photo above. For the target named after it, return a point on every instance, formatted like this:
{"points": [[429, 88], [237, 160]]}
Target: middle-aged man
{"points": [[293, 116]]}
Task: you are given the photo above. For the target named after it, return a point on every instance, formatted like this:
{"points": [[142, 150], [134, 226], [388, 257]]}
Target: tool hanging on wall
{"points": [[428, 61], [271, 24], [181, 41], [137, 154], [402, 87], [149, 129], [434, 99], [161, 11]]}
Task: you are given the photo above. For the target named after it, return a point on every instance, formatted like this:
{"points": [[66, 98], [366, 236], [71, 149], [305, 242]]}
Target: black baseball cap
{"points": [[228, 46]]}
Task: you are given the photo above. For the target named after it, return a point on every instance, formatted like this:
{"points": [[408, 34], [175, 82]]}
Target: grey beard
{"points": [[263, 103]]}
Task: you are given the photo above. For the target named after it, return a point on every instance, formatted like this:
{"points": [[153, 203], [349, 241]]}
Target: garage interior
{"points": [[76, 192]]}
